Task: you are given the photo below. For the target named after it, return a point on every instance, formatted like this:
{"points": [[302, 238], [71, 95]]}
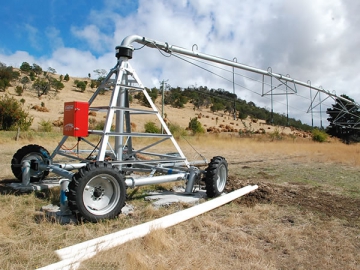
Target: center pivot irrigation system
{"points": [[103, 171]]}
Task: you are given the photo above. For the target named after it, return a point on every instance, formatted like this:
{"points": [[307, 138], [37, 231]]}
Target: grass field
{"points": [[305, 214]]}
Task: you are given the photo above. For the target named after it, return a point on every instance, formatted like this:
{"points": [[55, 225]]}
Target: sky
{"points": [[315, 41]]}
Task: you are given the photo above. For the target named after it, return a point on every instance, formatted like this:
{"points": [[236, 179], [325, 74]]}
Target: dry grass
{"points": [[239, 237], [272, 235]]}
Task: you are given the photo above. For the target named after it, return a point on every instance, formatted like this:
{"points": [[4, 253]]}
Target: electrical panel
{"points": [[76, 115]]}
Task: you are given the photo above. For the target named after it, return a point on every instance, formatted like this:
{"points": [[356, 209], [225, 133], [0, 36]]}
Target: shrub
{"points": [[100, 125], [46, 126], [6, 76], [177, 131], [57, 84], [32, 76], [12, 115], [248, 130], [25, 66], [92, 123], [81, 85], [19, 90], [275, 135], [93, 84], [319, 136], [150, 127], [195, 126]]}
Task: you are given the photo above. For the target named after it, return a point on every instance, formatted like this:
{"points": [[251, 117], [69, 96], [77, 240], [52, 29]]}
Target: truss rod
{"points": [[164, 46]]}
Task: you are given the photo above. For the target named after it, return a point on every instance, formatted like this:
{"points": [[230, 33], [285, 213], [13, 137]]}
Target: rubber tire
{"points": [[102, 178], [216, 176], [29, 152]]}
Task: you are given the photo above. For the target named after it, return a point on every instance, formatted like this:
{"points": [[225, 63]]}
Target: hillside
{"points": [[49, 108]]}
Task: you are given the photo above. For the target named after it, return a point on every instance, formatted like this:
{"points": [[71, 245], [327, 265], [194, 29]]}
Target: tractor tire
{"points": [[216, 176], [29, 152], [97, 192]]}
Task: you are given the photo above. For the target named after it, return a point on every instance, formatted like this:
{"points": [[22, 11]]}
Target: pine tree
{"points": [[344, 118]]}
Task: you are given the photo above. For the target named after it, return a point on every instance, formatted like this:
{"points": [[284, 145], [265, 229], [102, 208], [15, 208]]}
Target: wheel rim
{"points": [[101, 194], [34, 156], [221, 177]]}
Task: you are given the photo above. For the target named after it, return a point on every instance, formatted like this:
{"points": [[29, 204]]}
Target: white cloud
{"points": [[54, 37], [16, 59], [310, 40], [97, 40], [33, 36]]}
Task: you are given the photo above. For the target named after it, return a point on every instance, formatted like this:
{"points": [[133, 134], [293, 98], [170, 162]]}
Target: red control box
{"points": [[76, 115]]}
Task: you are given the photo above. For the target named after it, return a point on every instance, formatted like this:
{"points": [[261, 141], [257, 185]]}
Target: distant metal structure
{"points": [[284, 81]]}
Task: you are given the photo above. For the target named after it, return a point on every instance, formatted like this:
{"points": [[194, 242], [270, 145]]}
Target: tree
{"points": [[19, 90], [81, 85], [344, 118], [195, 126], [176, 98], [24, 81], [142, 99], [150, 127], [67, 77], [12, 115], [42, 86], [57, 84], [32, 76], [37, 69], [100, 72], [153, 93], [217, 107], [5, 77], [25, 66], [51, 70]]}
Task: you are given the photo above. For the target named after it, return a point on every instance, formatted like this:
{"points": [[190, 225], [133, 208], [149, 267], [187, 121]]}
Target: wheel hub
{"points": [[97, 193]]}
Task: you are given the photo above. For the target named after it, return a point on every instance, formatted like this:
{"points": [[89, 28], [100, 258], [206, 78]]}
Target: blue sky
{"points": [[39, 27], [310, 40]]}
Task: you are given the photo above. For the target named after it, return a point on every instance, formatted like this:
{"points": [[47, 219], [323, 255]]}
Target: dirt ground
{"points": [[322, 187], [303, 196]]}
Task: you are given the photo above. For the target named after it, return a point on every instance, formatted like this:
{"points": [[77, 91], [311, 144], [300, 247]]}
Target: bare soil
{"points": [[302, 196]]}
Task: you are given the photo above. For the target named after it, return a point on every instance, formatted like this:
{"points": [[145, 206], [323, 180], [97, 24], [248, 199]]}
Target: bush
{"points": [[12, 115], [100, 125], [46, 126], [195, 126], [81, 85], [177, 131], [25, 66], [92, 123], [319, 136], [275, 135], [150, 127], [19, 90]]}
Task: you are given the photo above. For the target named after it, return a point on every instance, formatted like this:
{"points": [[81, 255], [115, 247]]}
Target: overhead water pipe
{"points": [[127, 43]]}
